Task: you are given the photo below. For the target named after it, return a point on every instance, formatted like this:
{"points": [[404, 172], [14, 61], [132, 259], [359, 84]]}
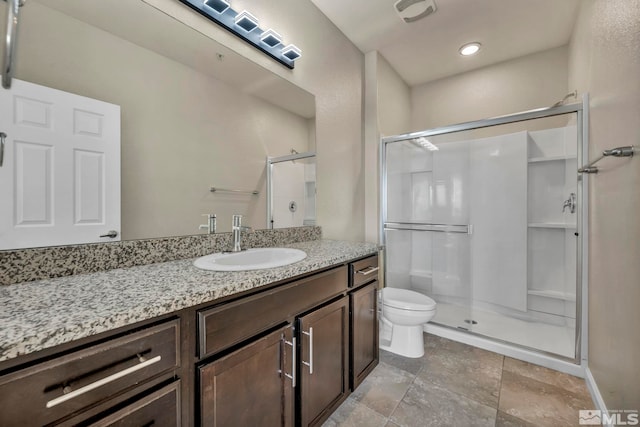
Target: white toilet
{"points": [[406, 312]]}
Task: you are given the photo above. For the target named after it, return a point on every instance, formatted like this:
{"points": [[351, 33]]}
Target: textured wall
{"points": [[532, 81], [332, 69], [387, 112], [605, 61], [182, 131]]}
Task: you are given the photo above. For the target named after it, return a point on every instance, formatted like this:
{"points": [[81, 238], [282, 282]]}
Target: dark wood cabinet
{"points": [[78, 382], [364, 332], [287, 355], [324, 369], [250, 386], [159, 409]]}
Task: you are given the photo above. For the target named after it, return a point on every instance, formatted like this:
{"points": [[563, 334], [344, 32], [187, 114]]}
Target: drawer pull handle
{"points": [[103, 381], [292, 377], [367, 271], [310, 364]]}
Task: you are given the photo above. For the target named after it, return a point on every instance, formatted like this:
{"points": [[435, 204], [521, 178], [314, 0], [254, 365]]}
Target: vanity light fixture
{"points": [[218, 6], [246, 21], [470, 49], [271, 38], [245, 26], [292, 52]]}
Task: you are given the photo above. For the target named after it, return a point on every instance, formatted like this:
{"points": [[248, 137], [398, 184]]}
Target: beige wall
{"points": [[182, 132], [331, 68], [605, 62], [394, 101], [532, 81], [387, 112]]}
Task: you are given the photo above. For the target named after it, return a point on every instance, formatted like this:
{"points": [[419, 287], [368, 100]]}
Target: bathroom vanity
{"points": [[282, 346]]}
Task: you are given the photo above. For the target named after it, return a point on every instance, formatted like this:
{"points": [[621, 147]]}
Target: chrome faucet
{"points": [[570, 203], [237, 229], [210, 226]]}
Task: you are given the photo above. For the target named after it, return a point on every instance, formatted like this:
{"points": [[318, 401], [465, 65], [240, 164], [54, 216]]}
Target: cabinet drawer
{"points": [[363, 271], [228, 324], [71, 383], [159, 409]]}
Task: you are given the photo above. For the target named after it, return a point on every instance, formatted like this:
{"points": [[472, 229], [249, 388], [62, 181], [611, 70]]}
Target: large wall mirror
{"points": [[194, 114]]}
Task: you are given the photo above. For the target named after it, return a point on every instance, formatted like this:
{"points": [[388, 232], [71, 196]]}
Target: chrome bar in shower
{"points": [[627, 151], [426, 226], [13, 9], [227, 190]]}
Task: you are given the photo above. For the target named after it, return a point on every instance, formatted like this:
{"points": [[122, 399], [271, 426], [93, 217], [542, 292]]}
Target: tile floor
{"points": [[455, 384]]}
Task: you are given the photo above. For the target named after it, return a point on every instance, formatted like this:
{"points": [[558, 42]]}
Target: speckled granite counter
{"points": [[38, 315]]}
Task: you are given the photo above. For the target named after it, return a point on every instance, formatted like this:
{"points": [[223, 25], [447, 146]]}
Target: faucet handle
{"points": [[210, 226]]}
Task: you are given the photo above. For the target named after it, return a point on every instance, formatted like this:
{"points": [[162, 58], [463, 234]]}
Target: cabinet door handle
{"points": [[292, 377], [101, 382], [367, 271], [310, 364]]}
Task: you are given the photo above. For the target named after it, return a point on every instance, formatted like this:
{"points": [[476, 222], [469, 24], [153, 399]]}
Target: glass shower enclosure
{"points": [[486, 218]]}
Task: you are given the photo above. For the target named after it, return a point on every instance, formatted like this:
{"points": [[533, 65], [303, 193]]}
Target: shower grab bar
{"points": [[627, 151], [426, 226], [13, 7], [224, 190]]}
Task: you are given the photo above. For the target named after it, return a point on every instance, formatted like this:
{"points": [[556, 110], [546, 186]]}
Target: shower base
{"points": [[556, 339]]}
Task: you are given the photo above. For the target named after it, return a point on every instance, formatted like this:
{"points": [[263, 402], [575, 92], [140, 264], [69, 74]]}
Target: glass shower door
{"points": [[426, 226], [485, 222]]}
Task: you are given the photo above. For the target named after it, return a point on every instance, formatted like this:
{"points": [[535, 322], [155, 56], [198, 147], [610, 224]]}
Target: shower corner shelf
{"points": [[565, 296], [558, 225]]}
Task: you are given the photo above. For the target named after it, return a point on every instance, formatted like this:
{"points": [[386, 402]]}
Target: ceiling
{"points": [[427, 49]]}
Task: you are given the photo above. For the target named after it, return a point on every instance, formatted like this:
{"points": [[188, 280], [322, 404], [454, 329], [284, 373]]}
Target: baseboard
{"points": [[595, 393]]}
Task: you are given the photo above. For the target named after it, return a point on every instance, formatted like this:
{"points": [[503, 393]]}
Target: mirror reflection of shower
{"points": [[291, 190]]}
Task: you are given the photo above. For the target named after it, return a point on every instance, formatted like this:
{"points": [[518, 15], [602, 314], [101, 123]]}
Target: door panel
{"points": [[248, 387], [60, 182], [364, 332], [325, 364]]}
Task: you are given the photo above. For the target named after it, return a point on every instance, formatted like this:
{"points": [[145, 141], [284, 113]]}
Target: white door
{"points": [[60, 178]]}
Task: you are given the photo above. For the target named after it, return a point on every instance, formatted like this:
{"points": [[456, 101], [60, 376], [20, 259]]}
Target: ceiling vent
{"points": [[413, 10]]}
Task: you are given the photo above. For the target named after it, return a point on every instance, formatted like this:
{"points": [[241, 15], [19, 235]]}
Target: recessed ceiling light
{"points": [[470, 49]]}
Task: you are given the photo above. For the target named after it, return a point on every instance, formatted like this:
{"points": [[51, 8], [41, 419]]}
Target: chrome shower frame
{"points": [[576, 365], [13, 13], [270, 162]]}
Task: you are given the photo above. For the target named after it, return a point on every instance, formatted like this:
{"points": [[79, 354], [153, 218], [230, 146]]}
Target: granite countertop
{"points": [[42, 314]]}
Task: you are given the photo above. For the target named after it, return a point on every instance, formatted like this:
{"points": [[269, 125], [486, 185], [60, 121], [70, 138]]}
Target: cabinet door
{"points": [[250, 387], [364, 332], [324, 368]]}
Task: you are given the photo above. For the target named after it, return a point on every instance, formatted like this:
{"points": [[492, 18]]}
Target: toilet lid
{"points": [[407, 300]]}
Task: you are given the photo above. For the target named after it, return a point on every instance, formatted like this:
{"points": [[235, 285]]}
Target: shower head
{"points": [[573, 94]]}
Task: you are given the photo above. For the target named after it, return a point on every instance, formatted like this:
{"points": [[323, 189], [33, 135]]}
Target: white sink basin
{"points": [[251, 259]]}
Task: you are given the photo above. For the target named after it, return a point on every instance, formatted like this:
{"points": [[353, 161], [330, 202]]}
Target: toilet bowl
{"points": [[406, 312]]}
